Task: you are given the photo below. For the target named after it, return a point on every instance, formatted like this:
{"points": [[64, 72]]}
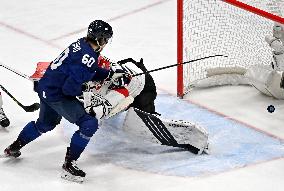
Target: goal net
{"points": [[223, 27]]}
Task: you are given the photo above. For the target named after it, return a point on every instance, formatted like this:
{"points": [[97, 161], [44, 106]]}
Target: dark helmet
{"points": [[99, 29]]}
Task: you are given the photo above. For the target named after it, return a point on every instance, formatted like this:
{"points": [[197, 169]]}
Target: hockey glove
{"points": [[119, 75], [123, 81]]}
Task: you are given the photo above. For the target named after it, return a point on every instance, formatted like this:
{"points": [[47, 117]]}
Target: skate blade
{"points": [[67, 176]]}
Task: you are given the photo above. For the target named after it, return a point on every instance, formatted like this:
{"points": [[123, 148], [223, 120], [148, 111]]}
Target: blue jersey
{"points": [[65, 75]]}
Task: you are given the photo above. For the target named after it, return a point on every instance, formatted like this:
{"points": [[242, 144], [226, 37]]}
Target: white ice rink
{"points": [[33, 31]]}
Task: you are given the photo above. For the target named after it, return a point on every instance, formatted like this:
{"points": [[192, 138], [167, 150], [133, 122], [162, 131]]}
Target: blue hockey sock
{"points": [[29, 133], [78, 145]]}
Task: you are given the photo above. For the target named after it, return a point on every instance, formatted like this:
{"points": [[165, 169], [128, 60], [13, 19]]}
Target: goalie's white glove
{"points": [[119, 75]]}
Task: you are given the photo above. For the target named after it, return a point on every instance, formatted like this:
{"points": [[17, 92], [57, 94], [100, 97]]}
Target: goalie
{"points": [[137, 94]]}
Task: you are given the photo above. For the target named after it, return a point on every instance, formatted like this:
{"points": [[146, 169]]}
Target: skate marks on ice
{"points": [[232, 145]]}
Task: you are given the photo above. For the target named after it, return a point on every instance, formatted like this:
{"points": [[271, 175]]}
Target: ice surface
{"points": [[33, 31]]}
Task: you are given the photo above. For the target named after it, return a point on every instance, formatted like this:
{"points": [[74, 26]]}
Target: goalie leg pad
{"points": [[188, 133], [157, 128], [171, 133]]}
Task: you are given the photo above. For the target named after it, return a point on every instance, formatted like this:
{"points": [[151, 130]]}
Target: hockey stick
{"points": [[15, 71], [165, 67], [29, 108]]}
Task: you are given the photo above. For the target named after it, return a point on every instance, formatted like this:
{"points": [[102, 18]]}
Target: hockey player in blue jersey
{"points": [[57, 91]]}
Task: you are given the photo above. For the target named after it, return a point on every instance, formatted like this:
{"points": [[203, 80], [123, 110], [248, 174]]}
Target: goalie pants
{"points": [[145, 101], [50, 115]]}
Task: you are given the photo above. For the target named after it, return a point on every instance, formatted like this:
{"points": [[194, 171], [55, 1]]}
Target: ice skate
{"points": [[70, 171], [12, 151], [4, 121]]}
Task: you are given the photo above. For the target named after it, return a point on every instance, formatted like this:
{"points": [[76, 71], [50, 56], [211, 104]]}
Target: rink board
{"points": [[232, 144]]}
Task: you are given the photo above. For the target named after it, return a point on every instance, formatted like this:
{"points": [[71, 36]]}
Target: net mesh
{"points": [[213, 27]]}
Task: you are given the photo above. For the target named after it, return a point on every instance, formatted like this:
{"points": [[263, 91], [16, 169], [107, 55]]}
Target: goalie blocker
{"points": [[181, 134]]}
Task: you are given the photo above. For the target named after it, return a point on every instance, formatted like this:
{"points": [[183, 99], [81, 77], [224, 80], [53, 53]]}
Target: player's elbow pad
{"points": [[71, 87]]}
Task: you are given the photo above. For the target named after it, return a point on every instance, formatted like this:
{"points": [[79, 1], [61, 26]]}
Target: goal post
{"points": [[229, 27], [180, 83]]}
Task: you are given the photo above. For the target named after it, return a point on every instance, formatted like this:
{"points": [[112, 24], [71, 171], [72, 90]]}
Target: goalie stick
{"points": [[28, 108], [158, 129]]}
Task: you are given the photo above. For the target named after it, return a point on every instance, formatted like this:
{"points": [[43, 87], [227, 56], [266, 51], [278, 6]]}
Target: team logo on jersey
{"points": [[76, 46]]}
